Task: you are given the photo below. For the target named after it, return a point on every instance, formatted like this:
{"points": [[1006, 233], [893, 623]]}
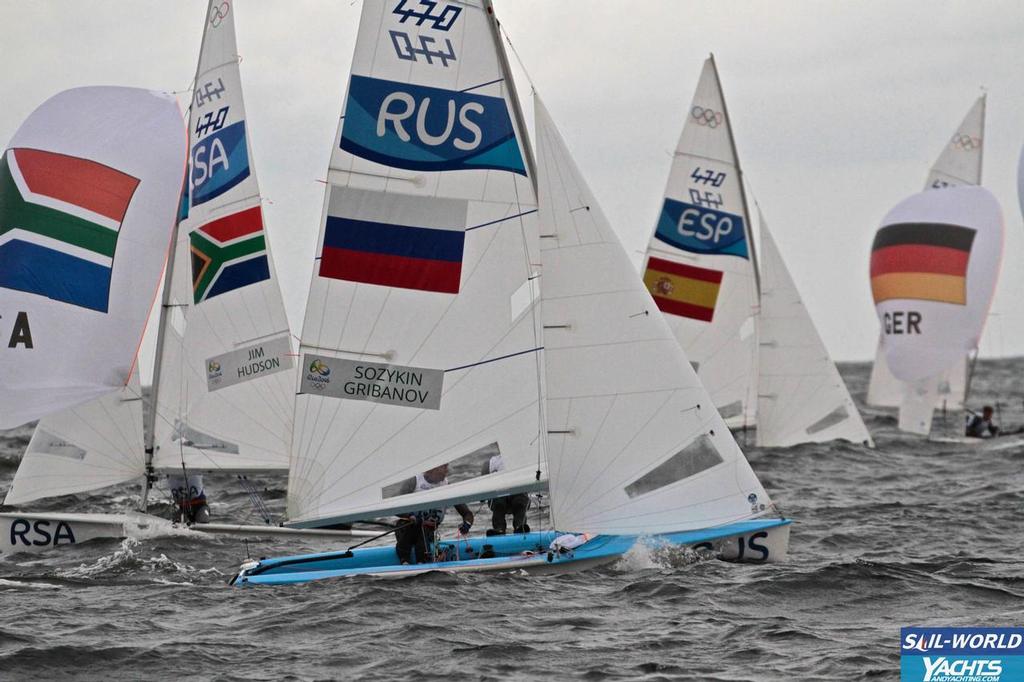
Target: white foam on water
{"points": [[27, 585]]}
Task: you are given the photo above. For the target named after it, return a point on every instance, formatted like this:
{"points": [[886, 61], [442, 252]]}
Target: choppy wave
{"points": [[909, 533]]}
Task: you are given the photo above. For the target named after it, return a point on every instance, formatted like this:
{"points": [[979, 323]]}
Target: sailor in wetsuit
{"points": [[981, 426], [189, 499], [416, 530], [516, 505]]}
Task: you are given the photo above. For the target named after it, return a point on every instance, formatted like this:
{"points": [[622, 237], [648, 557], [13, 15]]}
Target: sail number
{"points": [[40, 533], [211, 121], [708, 177]]}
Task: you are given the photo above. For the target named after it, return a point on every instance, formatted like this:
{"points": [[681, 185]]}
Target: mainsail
{"points": [[421, 343], [86, 210], [934, 265], [700, 265], [86, 447], [634, 442], [224, 378], [960, 163], [801, 396]]}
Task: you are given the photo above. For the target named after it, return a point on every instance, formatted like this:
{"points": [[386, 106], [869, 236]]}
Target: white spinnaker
{"points": [[634, 444], [86, 447], [934, 266], [801, 396], [225, 377], [704, 223], [409, 180], [86, 210], [960, 163]]}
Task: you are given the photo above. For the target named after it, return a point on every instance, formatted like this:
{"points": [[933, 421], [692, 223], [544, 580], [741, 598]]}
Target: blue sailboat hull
{"points": [[760, 540]]}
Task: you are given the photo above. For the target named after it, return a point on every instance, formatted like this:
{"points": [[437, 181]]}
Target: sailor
{"points": [[416, 530], [189, 499], [981, 426], [516, 505]]}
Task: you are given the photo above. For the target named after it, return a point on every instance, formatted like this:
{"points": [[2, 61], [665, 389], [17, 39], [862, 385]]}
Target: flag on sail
{"points": [[59, 221], [228, 253], [399, 241], [684, 290], [926, 262]]}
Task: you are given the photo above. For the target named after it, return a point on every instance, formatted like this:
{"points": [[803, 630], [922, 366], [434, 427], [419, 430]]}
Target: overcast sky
{"points": [[838, 109]]}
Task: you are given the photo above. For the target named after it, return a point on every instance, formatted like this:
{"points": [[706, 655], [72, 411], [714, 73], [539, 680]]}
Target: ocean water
{"points": [[911, 533]]}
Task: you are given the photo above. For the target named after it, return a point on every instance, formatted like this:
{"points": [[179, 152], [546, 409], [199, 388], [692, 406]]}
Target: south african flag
{"points": [[60, 217], [228, 253]]}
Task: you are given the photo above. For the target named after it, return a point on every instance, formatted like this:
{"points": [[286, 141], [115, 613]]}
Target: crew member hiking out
{"points": [[416, 530], [516, 505], [981, 425]]}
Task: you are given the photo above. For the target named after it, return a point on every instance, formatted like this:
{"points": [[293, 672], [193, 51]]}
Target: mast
{"points": [[531, 163], [739, 172], [165, 305]]}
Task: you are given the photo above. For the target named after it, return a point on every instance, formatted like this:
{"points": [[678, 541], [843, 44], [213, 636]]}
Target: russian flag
{"points": [[404, 256]]}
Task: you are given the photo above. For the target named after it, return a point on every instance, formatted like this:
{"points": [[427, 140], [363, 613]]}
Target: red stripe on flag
{"points": [[919, 258], [694, 312], [391, 271], [235, 225], [682, 270], [93, 186]]}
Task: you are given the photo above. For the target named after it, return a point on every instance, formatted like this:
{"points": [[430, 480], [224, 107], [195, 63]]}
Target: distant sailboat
{"points": [[703, 272], [959, 164], [934, 265], [224, 372], [632, 444], [801, 396]]}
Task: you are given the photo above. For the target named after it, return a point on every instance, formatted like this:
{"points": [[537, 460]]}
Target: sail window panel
{"points": [[836, 416], [696, 457], [473, 465], [733, 409]]}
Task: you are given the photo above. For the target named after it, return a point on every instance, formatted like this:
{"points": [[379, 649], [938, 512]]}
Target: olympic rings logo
{"points": [[707, 117], [966, 142], [219, 13]]}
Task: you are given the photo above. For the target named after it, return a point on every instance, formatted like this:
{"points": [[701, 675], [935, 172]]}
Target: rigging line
{"points": [[477, 87], [501, 220], [515, 52], [503, 357]]}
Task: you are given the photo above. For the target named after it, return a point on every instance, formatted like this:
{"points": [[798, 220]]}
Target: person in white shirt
{"points": [[501, 507], [416, 530]]}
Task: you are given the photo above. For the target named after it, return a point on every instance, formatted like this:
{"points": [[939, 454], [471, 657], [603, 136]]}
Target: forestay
{"points": [[934, 265], [86, 447], [86, 211], [634, 442], [701, 266], [960, 163], [421, 342], [224, 378], [801, 396]]}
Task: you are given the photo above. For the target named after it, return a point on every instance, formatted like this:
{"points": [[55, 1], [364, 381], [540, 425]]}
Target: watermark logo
{"points": [[987, 654]]}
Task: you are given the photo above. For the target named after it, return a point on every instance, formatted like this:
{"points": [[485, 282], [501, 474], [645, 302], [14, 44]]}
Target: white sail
{"points": [[801, 396], [700, 265], [86, 447], [421, 342], [960, 163], [224, 379], [634, 443], [86, 210]]}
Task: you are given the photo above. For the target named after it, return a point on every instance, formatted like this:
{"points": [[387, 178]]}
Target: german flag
{"points": [[683, 290], [922, 261]]}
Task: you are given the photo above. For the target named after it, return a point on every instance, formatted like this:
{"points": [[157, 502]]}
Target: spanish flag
{"points": [[683, 290], [921, 261]]}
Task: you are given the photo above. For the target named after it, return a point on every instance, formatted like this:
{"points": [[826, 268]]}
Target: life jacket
{"points": [[437, 515]]}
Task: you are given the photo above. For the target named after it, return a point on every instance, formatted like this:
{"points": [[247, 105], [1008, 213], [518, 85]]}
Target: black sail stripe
{"points": [[928, 234]]}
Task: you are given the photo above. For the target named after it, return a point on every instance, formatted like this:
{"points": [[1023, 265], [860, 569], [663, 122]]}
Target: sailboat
{"points": [[223, 379], [85, 220], [739, 331], [607, 408], [959, 164], [934, 266]]}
